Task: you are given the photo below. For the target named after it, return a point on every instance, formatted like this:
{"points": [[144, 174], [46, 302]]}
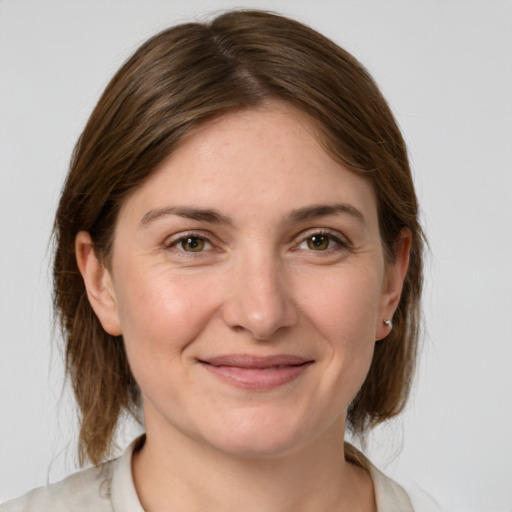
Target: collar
{"points": [[389, 496]]}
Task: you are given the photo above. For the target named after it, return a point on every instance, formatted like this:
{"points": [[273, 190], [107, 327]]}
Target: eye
{"points": [[191, 243], [318, 242], [321, 242]]}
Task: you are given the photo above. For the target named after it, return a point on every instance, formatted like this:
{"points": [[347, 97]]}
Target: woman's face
{"points": [[249, 284]]}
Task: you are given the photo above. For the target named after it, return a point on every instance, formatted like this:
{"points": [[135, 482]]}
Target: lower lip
{"points": [[258, 379]]}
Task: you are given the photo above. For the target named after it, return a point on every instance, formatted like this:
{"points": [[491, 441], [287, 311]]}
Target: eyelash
{"points": [[174, 242], [339, 244]]}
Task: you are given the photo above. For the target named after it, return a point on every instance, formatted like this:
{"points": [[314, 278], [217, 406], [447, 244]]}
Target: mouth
{"points": [[256, 372]]}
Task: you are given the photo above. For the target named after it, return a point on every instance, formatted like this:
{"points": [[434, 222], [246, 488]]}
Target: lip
{"points": [[257, 373]]}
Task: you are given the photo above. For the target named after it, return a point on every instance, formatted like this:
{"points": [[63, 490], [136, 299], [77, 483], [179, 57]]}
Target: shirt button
{"points": [[105, 489]]}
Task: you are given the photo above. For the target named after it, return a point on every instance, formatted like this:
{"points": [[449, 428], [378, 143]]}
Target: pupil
{"points": [[318, 242], [193, 244]]}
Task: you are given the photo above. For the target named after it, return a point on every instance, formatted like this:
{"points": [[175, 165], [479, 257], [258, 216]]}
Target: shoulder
{"points": [[81, 492], [107, 488], [389, 495]]}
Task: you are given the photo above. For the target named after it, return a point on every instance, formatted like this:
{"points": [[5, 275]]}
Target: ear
{"points": [[98, 283], [393, 283]]}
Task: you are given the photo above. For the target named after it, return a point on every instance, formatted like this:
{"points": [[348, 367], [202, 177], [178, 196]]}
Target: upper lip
{"points": [[254, 361]]}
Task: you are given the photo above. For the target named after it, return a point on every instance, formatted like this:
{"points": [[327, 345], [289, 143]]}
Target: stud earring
{"points": [[389, 323]]}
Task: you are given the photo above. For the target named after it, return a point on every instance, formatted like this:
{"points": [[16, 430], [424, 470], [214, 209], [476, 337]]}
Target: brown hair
{"points": [[175, 81]]}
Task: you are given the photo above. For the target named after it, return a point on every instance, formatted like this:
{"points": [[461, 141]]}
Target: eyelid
{"points": [[174, 240], [336, 236]]}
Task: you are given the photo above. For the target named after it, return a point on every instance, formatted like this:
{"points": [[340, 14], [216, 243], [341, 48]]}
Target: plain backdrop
{"points": [[445, 67]]}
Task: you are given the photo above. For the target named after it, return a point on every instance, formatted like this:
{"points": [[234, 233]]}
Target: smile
{"points": [[255, 372]]}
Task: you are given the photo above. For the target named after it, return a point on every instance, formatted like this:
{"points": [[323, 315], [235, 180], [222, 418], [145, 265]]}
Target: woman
{"points": [[238, 257]]}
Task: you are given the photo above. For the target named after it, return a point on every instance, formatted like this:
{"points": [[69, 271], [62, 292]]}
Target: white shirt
{"points": [[110, 488]]}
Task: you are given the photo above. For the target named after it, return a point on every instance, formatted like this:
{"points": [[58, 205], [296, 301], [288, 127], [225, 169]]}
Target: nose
{"points": [[259, 298]]}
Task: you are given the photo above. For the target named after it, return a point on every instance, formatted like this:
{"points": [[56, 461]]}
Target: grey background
{"points": [[445, 67]]}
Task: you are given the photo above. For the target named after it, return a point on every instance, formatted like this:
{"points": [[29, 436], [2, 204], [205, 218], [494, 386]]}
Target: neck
{"points": [[174, 472]]}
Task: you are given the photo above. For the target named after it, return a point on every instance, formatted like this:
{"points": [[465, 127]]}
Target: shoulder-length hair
{"points": [[183, 77]]}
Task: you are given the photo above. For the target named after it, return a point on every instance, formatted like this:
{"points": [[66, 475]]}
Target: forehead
{"points": [[251, 161]]}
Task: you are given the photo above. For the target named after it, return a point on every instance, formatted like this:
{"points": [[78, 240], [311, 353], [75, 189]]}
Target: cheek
{"points": [[343, 309], [344, 306], [161, 314]]}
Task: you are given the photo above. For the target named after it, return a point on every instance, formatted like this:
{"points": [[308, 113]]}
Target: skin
{"points": [[256, 280]]}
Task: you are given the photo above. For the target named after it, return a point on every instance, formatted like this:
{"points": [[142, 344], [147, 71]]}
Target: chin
{"points": [[260, 446], [257, 437]]}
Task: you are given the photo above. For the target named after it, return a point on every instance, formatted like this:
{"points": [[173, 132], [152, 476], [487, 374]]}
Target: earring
{"points": [[389, 323]]}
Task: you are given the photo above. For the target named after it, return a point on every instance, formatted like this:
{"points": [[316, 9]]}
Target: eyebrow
{"points": [[325, 210], [215, 217], [201, 214]]}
